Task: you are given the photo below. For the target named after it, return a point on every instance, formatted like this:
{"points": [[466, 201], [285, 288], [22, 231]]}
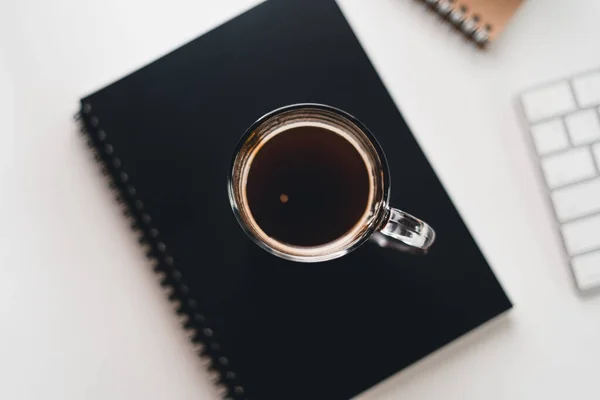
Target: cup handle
{"points": [[409, 231]]}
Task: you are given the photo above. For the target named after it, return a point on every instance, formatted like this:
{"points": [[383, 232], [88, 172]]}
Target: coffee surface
{"points": [[307, 186]]}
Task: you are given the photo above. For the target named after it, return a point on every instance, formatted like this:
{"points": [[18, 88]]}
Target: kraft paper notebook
{"points": [[274, 329], [479, 20]]}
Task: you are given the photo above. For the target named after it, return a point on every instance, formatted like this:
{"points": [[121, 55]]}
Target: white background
{"points": [[82, 316]]}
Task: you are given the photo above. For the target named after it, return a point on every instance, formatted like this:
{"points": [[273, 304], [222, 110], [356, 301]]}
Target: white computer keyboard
{"points": [[564, 124]]}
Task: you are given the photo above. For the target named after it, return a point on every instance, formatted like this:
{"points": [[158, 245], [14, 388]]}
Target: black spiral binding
{"points": [[171, 279], [456, 14]]}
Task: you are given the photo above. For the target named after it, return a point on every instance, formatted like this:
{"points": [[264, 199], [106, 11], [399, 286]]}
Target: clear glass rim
{"points": [[375, 215]]}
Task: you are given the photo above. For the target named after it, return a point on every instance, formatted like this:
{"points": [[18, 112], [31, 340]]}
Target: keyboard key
{"points": [[582, 235], [587, 270], [577, 200], [587, 89], [568, 167], [583, 127], [550, 101], [596, 151], [549, 136]]}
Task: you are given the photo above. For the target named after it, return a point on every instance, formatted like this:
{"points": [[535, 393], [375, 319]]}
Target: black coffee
{"points": [[307, 186]]}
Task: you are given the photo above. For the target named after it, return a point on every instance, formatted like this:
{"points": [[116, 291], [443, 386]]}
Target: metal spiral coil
{"points": [[458, 14], [171, 279]]}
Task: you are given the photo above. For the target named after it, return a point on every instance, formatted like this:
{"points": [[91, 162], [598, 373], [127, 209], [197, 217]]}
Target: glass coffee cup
{"points": [[310, 183]]}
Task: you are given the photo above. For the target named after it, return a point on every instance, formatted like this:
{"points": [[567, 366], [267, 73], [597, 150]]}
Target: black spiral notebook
{"points": [[274, 329]]}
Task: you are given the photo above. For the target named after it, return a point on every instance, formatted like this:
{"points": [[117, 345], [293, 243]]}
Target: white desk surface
{"points": [[81, 315]]}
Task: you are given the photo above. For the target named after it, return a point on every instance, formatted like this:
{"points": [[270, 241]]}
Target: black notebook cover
{"points": [[275, 329]]}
